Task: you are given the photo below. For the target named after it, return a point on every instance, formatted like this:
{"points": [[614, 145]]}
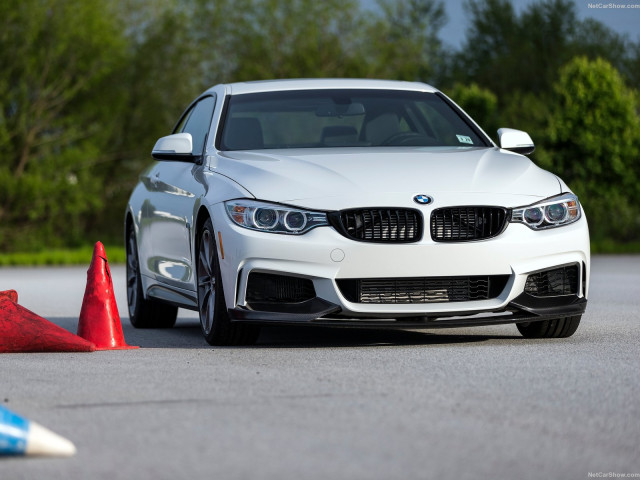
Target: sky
{"points": [[622, 20]]}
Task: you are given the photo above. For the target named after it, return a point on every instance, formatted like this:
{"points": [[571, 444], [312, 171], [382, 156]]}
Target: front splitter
{"points": [[319, 312]]}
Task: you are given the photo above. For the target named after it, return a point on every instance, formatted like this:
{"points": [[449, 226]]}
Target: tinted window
{"points": [[178, 128], [197, 123], [344, 118]]}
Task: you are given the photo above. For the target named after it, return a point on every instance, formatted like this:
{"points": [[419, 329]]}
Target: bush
{"points": [[593, 142]]}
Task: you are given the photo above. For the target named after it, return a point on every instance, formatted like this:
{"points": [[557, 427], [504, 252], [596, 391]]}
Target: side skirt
{"points": [[173, 296]]}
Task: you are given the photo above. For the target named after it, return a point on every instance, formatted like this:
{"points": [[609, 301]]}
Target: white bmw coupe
{"points": [[350, 203]]}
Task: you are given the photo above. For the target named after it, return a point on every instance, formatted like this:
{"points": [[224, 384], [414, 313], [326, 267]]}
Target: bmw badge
{"points": [[423, 199]]}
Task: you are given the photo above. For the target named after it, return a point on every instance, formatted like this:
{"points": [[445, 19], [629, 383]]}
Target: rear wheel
{"points": [[555, 328], [144, 313], [216, 326]]}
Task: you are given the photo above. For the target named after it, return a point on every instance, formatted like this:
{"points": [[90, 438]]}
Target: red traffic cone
{"points": [[21, 330], [10, 294], [99, 320]]}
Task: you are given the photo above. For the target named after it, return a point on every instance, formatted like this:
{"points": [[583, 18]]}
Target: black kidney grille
{"points": [[379, 224], [460, 224], [554, 282], [422, 289]]}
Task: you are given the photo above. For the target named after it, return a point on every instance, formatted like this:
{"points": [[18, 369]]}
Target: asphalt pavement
{"points": [[311, 403]]}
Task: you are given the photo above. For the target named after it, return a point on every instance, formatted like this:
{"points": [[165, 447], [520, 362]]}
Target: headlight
{"points": [[274, 218], [552, 212]]}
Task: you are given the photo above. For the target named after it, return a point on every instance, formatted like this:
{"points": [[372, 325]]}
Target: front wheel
{"points": [[144, 313], [555, 328], [216, 326]]}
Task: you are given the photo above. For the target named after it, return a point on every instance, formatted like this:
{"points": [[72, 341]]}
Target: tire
{"points": [[215, 323], [555, 328], [144, 313]]}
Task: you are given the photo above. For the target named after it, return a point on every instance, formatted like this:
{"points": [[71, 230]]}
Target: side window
{"points": [[197, 123], [180, 126]]}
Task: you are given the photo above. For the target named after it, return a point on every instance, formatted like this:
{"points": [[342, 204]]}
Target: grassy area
{"points": [[71, 256], [611, 246]]}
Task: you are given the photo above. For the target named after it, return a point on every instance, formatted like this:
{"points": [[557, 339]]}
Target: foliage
{"points": [[64, 256], [87, 87], [506, 52], [593, 138], [53, 127], [295, 39], [548, 72], [403, 43], [480, 103]]}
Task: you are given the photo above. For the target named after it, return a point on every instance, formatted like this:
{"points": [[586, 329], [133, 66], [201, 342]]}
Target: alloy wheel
{"points": [[132, 272], [206, 281]]}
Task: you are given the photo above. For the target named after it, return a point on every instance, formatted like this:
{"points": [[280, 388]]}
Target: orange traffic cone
{"points": [[21, 330], [99, 320]]}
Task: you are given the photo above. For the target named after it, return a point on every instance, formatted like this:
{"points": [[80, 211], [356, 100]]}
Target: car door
{"points": [[174, 187]]}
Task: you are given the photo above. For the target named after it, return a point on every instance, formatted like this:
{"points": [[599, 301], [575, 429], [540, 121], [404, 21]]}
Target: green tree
{"points": [[593, 143], [296, 39], [632, 66], [177, 49], [162, 76], [57, 58], [402, 42], [508, 52], [486, 56], [480, 103]]}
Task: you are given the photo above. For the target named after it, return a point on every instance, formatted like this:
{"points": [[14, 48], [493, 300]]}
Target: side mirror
{"points": [[178, 146], [515, 141]]}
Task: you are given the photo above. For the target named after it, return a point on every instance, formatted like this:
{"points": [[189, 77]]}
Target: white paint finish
{"points": [[170, 195], [179, 143], [512, 138], [305, 174], [324, 83]]}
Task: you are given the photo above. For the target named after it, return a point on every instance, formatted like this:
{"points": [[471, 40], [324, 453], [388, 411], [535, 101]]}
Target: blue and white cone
{"points": [[19, 436]]}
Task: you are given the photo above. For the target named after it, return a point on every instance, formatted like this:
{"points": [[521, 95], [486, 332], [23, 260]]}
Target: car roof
{"points": [[322, 83]]}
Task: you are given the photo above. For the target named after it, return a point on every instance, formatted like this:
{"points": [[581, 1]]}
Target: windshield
{"points": [[344, 118]]}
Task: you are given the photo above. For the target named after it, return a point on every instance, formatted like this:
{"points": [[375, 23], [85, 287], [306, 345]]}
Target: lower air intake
{"points": [[422, 289], [553, 282], [270, 288]]}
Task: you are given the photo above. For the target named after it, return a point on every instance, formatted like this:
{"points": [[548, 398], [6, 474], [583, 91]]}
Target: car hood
{"points": [[332, 177]]}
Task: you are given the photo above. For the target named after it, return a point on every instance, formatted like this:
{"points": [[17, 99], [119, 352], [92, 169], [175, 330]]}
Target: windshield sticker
{"points": [[464, 139]]}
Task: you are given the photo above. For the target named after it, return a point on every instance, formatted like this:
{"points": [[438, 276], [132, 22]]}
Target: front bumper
{"points": [[524, 308], [324, 257]]}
